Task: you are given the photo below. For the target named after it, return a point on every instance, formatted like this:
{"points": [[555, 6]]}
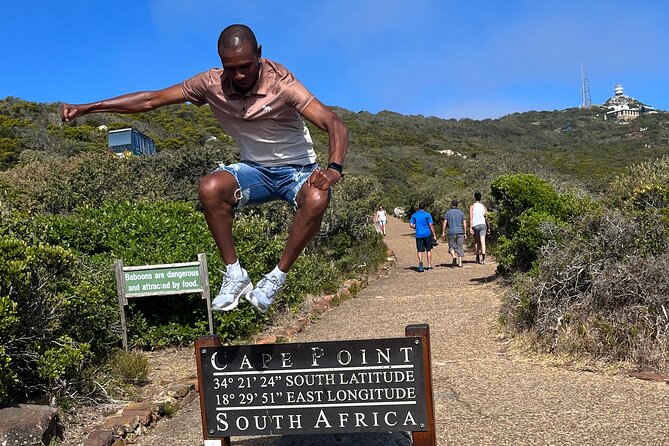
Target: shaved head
{"points": [[235, 37], [240, 55]]}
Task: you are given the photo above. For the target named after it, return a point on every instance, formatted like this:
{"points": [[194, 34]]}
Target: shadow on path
{"points": [[486, 279]]}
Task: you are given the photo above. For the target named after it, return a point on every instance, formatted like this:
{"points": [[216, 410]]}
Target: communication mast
{"points": [[586, 100]]}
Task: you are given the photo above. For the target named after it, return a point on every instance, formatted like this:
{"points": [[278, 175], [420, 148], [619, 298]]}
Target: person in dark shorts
{"points": [[454, 220], [422, 222]]}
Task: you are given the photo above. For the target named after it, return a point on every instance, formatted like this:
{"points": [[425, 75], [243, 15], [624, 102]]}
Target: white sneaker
{"points": [[263, 295], [232, 289]]}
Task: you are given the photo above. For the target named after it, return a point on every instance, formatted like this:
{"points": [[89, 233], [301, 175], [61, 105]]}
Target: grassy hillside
{"points": [[575, 144]]}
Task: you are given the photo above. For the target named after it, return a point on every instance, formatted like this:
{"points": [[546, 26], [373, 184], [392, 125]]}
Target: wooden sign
{"points": [[373, 385]]}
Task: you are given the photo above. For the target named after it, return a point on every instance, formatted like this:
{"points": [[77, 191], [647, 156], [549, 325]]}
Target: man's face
{"points": [[242, 66]]}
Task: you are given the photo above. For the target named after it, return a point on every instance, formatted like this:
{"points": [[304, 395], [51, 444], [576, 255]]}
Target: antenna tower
{"points": [[586, 100]]}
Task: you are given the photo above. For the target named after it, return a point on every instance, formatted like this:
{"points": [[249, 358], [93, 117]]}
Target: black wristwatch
{"points": [[338, 167]]}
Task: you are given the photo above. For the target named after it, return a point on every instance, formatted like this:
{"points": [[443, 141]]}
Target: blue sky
{"points": [[444, 58]]}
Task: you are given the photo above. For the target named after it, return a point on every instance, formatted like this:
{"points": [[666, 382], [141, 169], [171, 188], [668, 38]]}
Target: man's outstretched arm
{"points": [[326, 120], [141, 101]]}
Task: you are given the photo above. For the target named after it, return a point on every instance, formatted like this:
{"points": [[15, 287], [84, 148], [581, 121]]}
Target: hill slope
{"points": [[572, 146]]}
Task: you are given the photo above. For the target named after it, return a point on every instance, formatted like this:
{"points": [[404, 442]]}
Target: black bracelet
{"points": [[338, 167]]}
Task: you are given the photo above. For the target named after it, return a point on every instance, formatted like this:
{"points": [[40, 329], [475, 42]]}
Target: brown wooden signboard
{"points": [[371, 385]]}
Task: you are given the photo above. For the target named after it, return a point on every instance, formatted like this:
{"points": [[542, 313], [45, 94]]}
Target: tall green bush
{"points": [[39, 286], [9, 321], [527, 212]]}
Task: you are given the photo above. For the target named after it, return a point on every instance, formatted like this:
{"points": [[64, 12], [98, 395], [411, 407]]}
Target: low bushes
{"points": [[598, 285], [59, 184], [129, 367], [58, 303]]}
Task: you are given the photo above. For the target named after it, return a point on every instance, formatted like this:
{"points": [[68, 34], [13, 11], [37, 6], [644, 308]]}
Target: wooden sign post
{"points": [[372, 385], [429, 436]]}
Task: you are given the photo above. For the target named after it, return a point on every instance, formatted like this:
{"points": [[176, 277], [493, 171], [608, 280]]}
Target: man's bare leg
{"points": [[312, 203], [477, 247], [217, 195], [482, 242]]}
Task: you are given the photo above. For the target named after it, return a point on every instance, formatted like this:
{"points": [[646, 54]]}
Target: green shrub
{"points": [[8, 377], [528, 212], [129, 367], [521, 248], [643, 186], [157, 333], [64, 358], [599, 289], [9, 322], [59, 184], [515, 194], [352, 201], [36, 349]]}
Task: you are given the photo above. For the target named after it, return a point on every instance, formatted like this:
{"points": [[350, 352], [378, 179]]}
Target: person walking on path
{"points": [[454, 219], [479, 226], [422, 222], [261, 105], [381, 218]]}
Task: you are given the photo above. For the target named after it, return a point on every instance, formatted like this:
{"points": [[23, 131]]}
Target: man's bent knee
{"points": [[313, 200], [218, 187]]}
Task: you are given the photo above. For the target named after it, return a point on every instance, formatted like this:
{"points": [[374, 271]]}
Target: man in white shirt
{"points": [[479, 226]]}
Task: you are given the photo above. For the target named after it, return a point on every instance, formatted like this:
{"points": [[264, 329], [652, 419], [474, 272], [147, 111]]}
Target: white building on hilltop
{"points": [[625, 108]]}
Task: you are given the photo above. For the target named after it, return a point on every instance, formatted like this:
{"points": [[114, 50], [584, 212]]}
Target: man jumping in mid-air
{"points": [[260, 104]]}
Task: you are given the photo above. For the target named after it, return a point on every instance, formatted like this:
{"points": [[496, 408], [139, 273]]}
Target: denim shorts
{"points": [[261, 184], [479, 230]]}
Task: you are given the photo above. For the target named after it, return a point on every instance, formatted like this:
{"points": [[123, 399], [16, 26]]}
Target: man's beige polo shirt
{"points": [[266, 121]]}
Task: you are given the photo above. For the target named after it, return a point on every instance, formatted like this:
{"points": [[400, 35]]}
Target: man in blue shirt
{"points": [[454, 218], [422, 222]]}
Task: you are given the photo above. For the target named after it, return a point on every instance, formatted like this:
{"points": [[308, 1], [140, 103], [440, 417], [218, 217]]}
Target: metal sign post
{"points": [[161, 280]]}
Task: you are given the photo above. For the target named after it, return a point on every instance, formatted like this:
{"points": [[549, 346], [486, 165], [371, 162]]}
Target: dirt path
{"points": [[483, 394]]}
